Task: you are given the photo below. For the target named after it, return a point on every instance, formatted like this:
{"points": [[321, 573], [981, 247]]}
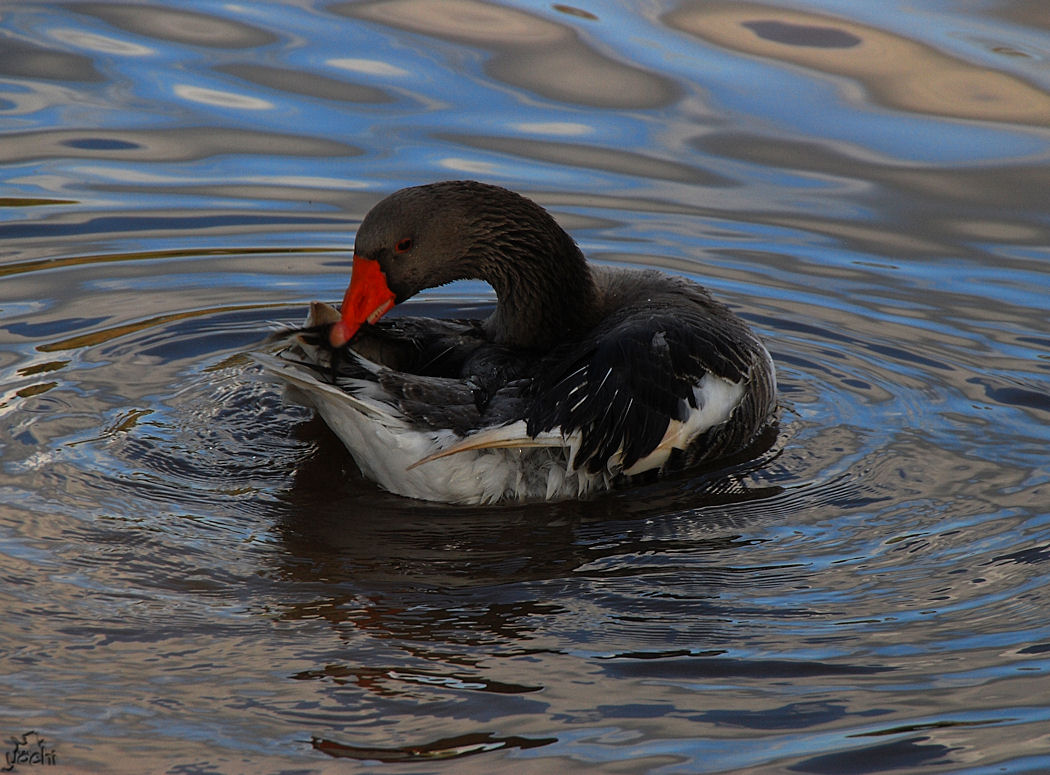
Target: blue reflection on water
{"points": [[440, 87], [904, 529]]}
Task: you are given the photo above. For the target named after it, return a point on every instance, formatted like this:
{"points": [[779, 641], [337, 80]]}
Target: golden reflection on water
{"points": [[531, 52], [292, 81], [895, 71], [179, 26], [7, 201], [108, 334], [37, 265], [158, 145], [595, 157]]}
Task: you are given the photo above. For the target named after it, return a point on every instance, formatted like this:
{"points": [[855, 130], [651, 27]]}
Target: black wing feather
{"points": [[440, 374], [623, 385]]}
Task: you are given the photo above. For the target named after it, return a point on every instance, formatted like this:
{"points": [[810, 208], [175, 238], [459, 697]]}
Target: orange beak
{"points": [[367, 299]]}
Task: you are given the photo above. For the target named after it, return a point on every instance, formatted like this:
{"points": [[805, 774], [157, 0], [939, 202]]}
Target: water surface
{"points": [[195, 576]]}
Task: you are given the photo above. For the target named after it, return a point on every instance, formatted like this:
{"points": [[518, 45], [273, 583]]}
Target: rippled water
{"points": [[195, 578]]}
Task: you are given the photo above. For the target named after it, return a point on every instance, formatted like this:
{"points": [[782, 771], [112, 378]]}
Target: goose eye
{"points": [[403, 245]]}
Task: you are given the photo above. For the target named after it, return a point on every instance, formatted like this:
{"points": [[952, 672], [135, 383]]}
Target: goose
{"points": [[582, 379]]}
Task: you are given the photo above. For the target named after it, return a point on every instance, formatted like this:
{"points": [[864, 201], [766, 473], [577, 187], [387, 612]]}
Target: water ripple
{"points": [[185, 549]]}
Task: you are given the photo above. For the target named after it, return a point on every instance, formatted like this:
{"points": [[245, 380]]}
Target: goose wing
{"points": [[642, 384]]}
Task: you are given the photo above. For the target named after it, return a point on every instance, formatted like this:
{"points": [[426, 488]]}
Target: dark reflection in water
{"points": [[900, 754], [446, 748], [803, 35], [196, 577], [29, 61]]}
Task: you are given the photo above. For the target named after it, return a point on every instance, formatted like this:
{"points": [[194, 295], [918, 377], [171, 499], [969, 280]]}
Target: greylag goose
{"points": [[584, 377]]}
